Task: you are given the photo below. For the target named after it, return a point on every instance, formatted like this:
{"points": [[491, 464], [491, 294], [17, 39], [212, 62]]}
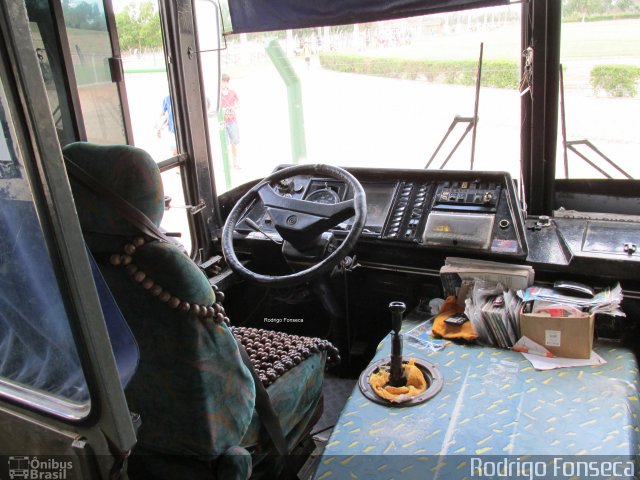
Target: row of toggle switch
{"points": [[411, 198]]}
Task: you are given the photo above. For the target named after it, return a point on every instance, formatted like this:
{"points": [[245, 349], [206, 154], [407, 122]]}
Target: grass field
{"points": [[607, 39]]}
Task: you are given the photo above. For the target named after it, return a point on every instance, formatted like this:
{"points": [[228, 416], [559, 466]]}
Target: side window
{"points": [[39, 363], [151, 105]]}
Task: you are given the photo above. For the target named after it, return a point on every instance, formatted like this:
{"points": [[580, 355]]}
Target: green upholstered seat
{"points": [[195, 396]]}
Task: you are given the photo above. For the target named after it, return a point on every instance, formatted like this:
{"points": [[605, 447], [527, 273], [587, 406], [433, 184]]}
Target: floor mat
{"points": [[336, 391]]}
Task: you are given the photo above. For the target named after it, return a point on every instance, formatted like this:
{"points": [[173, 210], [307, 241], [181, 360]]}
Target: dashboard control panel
{"points": [[447, 210]]}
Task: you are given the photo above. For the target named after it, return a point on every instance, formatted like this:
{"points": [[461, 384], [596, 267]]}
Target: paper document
{"points": [[546, 363]]}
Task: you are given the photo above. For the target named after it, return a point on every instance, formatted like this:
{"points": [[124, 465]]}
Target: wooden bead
{"points": [[126, 259], [132, 269], [174, 302], [147, 283], [164, 297], [156, 290], [211, 312], [195, 309], [139, 276], [220, 297], [115, 260], [185, 306], [129, 249], [138, 241]]}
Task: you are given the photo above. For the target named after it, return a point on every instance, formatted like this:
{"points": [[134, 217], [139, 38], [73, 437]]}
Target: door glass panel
{"points": [[150, 104], [90, 49], [45, 41], [39, 363]]}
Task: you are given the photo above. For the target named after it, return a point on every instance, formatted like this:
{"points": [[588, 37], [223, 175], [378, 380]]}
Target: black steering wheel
{"points": [[299, 222]]}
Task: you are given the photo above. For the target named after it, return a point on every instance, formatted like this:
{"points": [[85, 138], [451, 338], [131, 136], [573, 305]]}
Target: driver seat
{"points": [[194, 394]]}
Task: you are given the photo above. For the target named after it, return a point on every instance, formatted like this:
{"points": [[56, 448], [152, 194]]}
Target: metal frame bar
{"points": [[115, 52], [457, 119], [190, 114], [67, 66], [471, 121], [571, 146]]}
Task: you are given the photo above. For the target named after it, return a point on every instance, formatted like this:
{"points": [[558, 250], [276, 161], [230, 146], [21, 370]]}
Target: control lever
{"points": [[257, 228], [397, 377]]}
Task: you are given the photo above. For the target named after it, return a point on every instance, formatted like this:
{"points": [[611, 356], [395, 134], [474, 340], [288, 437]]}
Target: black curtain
{"points": [[268, 15]]}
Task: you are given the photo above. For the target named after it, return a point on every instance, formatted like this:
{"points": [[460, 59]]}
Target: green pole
{"points": [[294, 96], [223, 148]]}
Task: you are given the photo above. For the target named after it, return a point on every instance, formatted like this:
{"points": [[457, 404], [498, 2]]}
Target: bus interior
{"points": [[223, 222]]}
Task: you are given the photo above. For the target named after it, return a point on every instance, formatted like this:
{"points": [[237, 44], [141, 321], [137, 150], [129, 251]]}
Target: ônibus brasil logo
{"points": [[34, 468]]}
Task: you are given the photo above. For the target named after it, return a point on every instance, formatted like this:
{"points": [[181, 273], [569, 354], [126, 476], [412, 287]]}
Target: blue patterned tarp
{"points": [[494, 405]]}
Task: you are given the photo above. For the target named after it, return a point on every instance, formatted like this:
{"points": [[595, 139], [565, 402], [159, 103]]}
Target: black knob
{"points": [[396, 309]]}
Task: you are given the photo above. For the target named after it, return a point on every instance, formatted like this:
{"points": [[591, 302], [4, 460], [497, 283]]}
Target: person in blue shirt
{"points": [[166, 118]]}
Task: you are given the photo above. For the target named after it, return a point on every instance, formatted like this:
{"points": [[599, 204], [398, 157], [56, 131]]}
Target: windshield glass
{"points": [[600, 58], [383, 94]]}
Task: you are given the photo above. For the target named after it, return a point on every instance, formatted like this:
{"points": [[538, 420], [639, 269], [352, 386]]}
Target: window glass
{"points": [[37, 349], [150, 104], [381, 94], [45, 41], [600, 59], [90, 48]]}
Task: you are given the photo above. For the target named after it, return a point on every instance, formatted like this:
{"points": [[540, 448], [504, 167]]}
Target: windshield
{"points": [[600, 58], [381, 94]]}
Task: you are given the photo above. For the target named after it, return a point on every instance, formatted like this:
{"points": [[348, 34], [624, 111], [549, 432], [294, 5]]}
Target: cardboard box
{"points": [[570, 337]]}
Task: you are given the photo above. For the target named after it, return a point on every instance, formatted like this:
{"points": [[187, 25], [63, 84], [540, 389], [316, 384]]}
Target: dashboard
{"points": [[445, 210]]}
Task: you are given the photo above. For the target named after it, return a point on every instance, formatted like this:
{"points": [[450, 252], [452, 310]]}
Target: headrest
{"points": [[128, 171]]}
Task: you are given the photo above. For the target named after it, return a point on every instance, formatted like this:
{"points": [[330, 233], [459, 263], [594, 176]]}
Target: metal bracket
{"points": [[192, 209]]}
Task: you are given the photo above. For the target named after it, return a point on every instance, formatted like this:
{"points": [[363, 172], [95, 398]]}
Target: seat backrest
{"points": [[193, 392]]}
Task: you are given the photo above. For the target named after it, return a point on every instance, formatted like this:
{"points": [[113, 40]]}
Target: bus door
{"points": [[62, 406]]}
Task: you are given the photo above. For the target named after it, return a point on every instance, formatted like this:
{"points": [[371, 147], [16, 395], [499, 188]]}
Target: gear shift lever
{"points": [[397, 377]]}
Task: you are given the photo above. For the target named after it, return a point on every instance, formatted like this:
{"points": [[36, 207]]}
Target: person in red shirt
{"points": [[229, 102]]}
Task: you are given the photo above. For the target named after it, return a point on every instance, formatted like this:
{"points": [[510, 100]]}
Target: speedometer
{"points": [[324, 195]]}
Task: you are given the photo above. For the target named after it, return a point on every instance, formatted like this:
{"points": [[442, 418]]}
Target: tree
{"points": [[139, 26], [585, 8]]}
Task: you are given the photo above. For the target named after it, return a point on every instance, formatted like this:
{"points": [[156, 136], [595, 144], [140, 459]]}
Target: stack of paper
{"points": [[607, 301], [457, 271], [494, 314]]}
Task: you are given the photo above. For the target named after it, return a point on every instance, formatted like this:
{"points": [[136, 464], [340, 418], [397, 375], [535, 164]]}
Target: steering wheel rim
{"points": [[326, 264]]}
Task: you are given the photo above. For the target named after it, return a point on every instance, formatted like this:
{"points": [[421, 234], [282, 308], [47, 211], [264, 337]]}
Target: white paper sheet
{"points": [[546, 363]]}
